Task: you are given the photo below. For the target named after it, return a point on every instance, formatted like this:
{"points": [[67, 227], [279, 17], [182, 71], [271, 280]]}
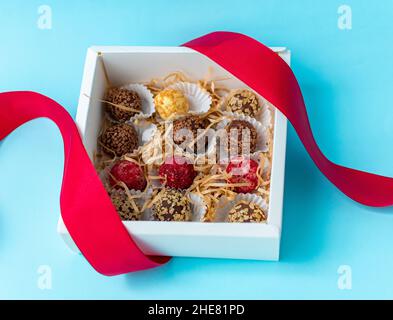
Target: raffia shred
{"points": [[211, 182]]}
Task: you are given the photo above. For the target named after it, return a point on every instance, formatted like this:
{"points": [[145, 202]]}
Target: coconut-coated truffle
{"points": [[123, 104], [171, 205], [171, 102], [241, 132], [119, 139], [245, 211]]}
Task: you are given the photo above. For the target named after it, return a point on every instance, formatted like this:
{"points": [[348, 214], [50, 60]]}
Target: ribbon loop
{"points": [[86, 209]]}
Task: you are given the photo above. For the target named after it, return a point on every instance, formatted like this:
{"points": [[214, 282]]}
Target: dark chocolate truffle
{"points": [[119, 139], [187, 128], [123, 206], [192, 123], [245, 102], [245, 211], [241, 132], [123, 104], [172, 205]]}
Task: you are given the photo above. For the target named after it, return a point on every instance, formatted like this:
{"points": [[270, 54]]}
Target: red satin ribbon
{"points": [[86, 209], [266, 73], [85, 206]]}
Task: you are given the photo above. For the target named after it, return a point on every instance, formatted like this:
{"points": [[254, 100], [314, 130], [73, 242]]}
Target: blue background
{"points": [[347, 81]]}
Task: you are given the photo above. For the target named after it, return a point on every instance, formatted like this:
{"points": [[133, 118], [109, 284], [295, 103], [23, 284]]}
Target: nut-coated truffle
{"points": [[245, 102], [245, 211], [171, 205], [123, 206], [123, 104], [119, 139]]}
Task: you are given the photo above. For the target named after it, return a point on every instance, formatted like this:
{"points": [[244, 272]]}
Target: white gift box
{"points": [[125, 65]]}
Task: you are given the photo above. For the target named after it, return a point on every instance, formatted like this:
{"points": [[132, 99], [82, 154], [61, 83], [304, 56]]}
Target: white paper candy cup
{"points": [[199, 100], [145, 95], [266, 116], [147, 215], [266, 166], [198, 207], [144, 128], [262, 144], [225, 205], [155, 183]]}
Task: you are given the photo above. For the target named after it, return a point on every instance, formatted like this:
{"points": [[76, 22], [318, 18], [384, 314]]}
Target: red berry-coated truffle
{"points": [[128, 172], [178, 172], [243, 170]]}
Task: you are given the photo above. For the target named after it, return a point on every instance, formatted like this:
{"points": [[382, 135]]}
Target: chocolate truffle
{"points": [[123, 206], [119, 139], [172, 205], [245, 211], [123, 105], [193, 124], [129, 173], [241, 133], [171, 102], [245, 102]]}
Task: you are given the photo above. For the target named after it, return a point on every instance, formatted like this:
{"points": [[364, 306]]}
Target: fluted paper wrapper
{"points": [[146, 97], [198, 207], [144, 128], [199, 100], [262, 144]]}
